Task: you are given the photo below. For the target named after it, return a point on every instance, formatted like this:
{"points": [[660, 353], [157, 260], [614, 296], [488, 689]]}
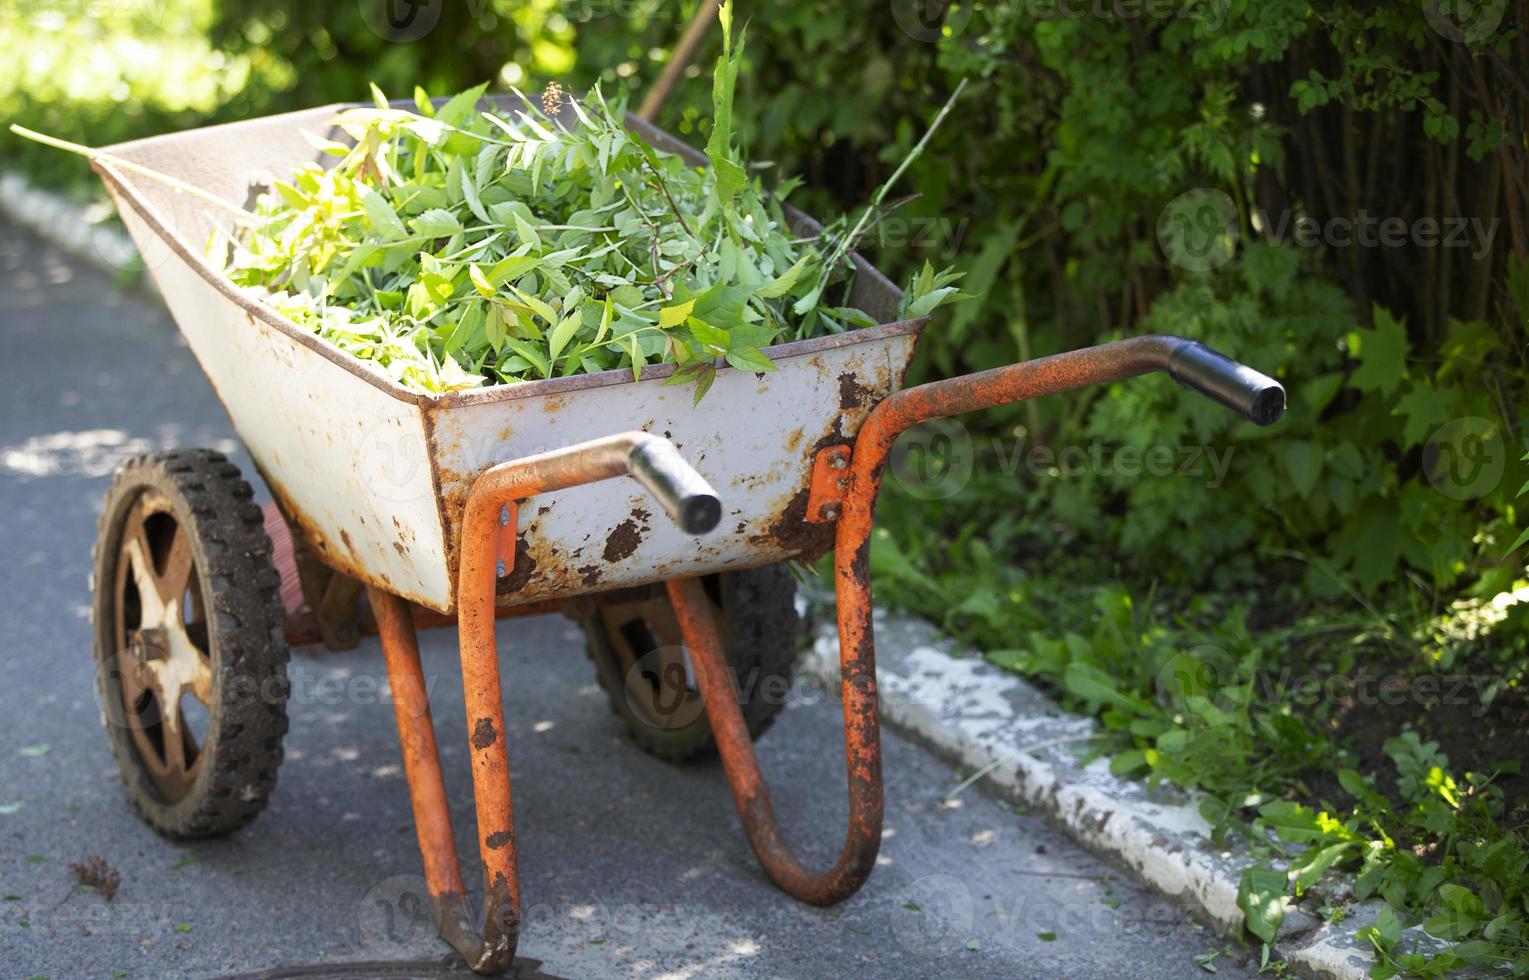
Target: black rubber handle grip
{"points": [[1256, 397], [679, 489]]}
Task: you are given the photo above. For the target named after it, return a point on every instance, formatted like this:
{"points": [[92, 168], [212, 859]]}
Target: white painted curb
{"points": [[992, 721]]}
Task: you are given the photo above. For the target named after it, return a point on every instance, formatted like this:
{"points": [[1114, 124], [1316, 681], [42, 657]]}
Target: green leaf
{"points": [[494, 329], [383, 218], [1128, 762], [436, 223], [561, 334], [1370, 546], [1385, 932], [673, 316], [1098, 688], [528, 234], [479, 280], [462, 106], [510, 268], [536, 305], [781, 284], [730, 177], [1303, 464], [704, 333], [929, 302], [531, 352], [749, 359], [1319, 864], [1261, 897], [467, 186], [1424, 410], [1382, 355], [635, 352], [605, 321]]}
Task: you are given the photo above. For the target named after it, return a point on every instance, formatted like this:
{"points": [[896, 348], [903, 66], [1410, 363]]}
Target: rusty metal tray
{"points": [[374, 476]]}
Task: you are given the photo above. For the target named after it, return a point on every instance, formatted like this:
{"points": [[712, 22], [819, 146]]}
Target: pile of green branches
{"points": [[454, 247]]}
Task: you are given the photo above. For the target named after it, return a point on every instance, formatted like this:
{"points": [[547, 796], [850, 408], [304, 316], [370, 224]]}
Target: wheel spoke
{"points": [[173, 582], [139, 557], [142, 724], [175, 741], [198, 679]]}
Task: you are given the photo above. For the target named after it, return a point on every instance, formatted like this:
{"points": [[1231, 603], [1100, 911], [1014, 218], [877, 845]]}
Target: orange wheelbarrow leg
{"points": [[488, 543], [492, 950], [862, 753]]}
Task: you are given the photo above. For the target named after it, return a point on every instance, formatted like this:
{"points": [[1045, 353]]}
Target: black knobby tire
{"points": [[638, 658], [187, 609]]}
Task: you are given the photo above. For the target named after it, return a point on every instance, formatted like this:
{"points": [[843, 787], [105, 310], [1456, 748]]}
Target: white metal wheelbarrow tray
{"points": [[374, 477]]}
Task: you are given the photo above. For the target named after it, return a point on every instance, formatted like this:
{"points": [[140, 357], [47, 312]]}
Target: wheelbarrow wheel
{"points": [[190, 654], [641, 662]]}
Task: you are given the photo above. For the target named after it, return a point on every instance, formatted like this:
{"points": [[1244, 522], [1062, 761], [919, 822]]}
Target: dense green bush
{"points": [[1061, 168]]}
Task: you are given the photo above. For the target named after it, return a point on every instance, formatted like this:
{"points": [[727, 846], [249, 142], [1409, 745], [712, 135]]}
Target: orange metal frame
{"points": [[848, 482]]}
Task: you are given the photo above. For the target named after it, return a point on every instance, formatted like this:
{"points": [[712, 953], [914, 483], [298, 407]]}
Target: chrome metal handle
{"points": [[1253, 395], [680, 490]]}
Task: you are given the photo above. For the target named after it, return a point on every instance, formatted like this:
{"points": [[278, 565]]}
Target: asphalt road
{"points": [[630, 867]]}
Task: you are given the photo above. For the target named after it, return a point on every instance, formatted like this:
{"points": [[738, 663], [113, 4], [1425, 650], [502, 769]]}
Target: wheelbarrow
{"points": [[470, 506]]}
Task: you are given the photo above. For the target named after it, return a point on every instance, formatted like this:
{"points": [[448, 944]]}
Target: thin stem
{"points": [[847, 241], [91, 153], [658, 178]]}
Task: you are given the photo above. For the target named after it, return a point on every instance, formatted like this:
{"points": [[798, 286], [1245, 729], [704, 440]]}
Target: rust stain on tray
{"points": [[853, 394], [623, 540]]}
